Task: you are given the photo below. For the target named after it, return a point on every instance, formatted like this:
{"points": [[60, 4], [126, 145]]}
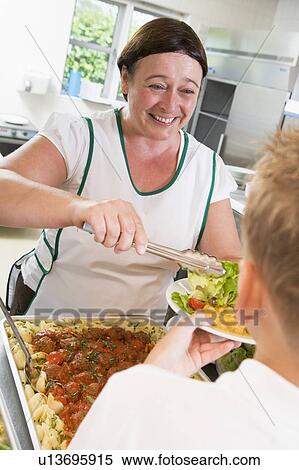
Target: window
{"points": [[139, 18], [100, 29]]}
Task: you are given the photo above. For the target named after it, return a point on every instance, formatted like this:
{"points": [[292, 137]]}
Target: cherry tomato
{"points": [[195, 303]]}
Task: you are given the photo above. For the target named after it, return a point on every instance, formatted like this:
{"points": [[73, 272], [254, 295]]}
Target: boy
{"points": [[155, 405]]}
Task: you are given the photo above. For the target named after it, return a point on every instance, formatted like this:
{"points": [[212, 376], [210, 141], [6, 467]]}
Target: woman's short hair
{"points": [[270, 226], [162, 35]]}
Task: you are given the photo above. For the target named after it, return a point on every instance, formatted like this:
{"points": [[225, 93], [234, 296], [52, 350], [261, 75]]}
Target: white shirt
{"points": [[68, 270], [146, 407]]}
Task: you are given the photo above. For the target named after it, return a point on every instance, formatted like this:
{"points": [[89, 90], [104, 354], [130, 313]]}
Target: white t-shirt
{"points": [[146, 407], [68, 270]]}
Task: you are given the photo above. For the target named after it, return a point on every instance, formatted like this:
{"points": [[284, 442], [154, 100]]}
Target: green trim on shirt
{"points": [[41, 267], [89, 158], [205, 216], [47, 243], [175, 176], [54, 253], [10, 274]]}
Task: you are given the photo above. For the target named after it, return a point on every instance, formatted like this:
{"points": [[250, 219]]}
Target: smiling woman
{"points": [[131, 173], [162, 92]]}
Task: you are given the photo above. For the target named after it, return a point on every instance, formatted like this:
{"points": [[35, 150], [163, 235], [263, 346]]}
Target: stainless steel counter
{"points": [[237, 205], [12, 401]]}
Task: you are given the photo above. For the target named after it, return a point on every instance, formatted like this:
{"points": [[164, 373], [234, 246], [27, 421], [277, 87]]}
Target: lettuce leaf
{"points": [[223, 290], [182, 301]]}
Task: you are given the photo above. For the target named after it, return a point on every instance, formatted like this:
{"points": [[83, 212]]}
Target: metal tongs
{"points": [[29, 368], [187, 259]]}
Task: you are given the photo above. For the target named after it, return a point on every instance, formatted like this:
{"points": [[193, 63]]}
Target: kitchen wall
{"points": [[247, 14], [49, 22], [287, 15]]}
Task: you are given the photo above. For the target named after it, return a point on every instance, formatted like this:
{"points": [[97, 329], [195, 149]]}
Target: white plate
{"points": [[178, 286], [14, 119]]}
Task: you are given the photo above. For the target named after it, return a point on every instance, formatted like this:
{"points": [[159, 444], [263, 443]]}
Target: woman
{"points": [[133, 174]]}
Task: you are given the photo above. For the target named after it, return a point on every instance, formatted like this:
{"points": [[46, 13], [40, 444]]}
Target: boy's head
{"points": [[271, 234]]}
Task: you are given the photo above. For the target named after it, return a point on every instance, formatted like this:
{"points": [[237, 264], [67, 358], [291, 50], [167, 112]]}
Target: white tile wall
{"points": [[249, 14], [287, 15]]}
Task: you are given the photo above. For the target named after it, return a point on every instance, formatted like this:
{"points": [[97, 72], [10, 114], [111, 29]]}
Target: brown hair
{"points": [[159, 36], [271, 226]]}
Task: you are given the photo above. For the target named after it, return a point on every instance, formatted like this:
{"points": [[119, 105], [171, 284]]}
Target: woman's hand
{"points": [[115, 223], [186, 348]]}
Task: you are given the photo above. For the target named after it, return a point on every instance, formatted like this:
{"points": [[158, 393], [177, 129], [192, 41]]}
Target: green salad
{"points": [[217, 292], [208, 289], [231, 361]]}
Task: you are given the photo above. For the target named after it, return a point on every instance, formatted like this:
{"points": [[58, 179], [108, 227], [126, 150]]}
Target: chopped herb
{"points": [[93, 356], [50, 383], [90, 399], [53, 421], [40, 360]]}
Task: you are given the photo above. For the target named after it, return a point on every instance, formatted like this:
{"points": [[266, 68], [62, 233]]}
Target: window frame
{"points": [[120, 37]]}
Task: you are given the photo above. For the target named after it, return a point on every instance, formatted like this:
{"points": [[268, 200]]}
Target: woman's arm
{"points": [[30, 197], [29, 178], [220, 237]]}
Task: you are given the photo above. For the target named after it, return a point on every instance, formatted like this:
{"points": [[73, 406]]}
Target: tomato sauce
{"points": [[79, 364]]}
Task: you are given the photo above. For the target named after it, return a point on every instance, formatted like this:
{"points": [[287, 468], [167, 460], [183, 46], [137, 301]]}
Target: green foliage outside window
{"points": [[90, 63], [94, 23]]}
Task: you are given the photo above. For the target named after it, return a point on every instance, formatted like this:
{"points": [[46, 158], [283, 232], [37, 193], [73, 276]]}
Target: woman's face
{"points": [[162, 94]]}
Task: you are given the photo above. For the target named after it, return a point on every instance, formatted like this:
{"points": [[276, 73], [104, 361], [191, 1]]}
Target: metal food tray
{"points": [[14, 369], [13, 441]]}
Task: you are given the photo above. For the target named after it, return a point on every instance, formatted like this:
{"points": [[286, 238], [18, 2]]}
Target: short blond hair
{"points": [[271, 226]]}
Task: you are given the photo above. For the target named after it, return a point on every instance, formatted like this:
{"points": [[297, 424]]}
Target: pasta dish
{"points": [[73, 360]]}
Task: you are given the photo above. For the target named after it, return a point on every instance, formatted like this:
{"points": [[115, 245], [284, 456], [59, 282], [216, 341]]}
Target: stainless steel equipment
{"points": [[256, 112], [251, 76], [12, 440], [14, 132], [245, 56], [210, 118], [238, 201], [13, 406], [238, 198], [29, 368]]}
